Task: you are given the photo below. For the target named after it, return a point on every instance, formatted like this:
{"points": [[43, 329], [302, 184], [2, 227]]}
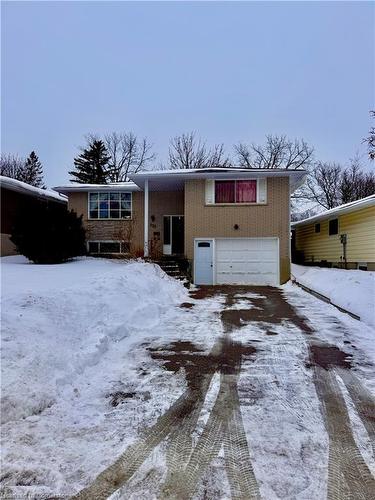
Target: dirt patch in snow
{"points": [[119, 397], [267, 305], [328, 356], [187, 305], [196, 363]]}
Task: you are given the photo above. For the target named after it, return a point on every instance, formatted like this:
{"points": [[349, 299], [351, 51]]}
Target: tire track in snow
{"points": [[184, 409], [187, 465], [180, 446], [224, 428], [348, 474], [363, 400], [237, 456], [116, 475]]}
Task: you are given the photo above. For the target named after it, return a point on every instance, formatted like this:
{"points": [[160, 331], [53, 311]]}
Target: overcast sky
{"points": [[230, 71]]}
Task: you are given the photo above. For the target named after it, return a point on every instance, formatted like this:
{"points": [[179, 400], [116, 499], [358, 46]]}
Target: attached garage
{"points": [[242, 261]]}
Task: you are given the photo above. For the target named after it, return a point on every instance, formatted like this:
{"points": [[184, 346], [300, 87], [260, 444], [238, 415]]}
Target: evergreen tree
{"points": [[90, 165], [48, 233], [32, 172]]}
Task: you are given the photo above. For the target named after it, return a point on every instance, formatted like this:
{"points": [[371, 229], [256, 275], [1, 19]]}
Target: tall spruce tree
{"points": [[32, 172], [91, 164]]}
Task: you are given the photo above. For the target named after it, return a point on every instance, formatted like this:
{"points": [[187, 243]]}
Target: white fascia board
{"points": [[85, 188], [297, 177]]}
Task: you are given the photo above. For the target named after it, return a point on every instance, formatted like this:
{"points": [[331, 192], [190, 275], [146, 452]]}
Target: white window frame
{"points": [[256, 202], [121, 242], [109, 218]]}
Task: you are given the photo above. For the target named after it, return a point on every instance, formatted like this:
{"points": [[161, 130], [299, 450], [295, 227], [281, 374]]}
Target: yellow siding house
{"points": [[343, 236]]}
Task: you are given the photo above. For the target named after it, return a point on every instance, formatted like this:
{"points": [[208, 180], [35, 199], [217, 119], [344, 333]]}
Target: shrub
{"points": [[48, 233]]}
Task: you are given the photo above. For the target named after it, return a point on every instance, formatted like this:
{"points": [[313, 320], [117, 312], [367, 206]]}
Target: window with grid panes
{"points": [[110, 205]]}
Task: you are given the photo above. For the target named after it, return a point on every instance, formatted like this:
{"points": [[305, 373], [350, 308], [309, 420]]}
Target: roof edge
{"points": [[84, 188], [341, 209], [24, 188]]}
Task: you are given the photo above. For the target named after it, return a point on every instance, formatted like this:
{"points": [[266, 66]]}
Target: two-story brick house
{"points": [[233, 225]]}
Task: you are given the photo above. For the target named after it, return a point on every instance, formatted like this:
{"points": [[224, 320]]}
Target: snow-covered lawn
{"points": [[66, 334], [350, 289], [83, 377], [61, 322]]}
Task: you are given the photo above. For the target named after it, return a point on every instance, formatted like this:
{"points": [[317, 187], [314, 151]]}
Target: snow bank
{"points": [[74, 336], [352, 290], [58, 320]]}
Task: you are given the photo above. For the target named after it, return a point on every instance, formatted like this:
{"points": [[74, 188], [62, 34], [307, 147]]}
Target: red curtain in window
{"points": [[246, 191], [224, 192]]}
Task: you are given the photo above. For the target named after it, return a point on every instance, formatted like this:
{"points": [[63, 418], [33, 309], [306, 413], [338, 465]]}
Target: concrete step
{"points": [[171, 268], [172, 273]]}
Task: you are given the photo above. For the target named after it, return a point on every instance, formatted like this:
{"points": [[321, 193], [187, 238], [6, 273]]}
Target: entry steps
{"points": [[173, 268]]}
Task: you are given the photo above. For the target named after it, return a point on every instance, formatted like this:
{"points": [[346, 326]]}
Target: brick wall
{"points": [[272, 219], [203, 221], [160, 203]]}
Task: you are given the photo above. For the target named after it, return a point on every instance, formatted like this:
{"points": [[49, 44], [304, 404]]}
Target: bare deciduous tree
{"points": [[189, 152], [330, 185], [370, 140], [128, 155], [277, 152], [12, 166], [323, 184], [355, 183]]}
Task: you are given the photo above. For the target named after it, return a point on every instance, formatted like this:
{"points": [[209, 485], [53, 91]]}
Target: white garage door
{"points": [[247, 261]]}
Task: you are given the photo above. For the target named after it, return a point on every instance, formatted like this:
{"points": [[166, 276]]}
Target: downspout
{"points": [[343, 239], [145, 242]]}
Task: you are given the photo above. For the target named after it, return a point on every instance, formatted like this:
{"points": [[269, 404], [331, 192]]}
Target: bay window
{"points": [[110, 205]]}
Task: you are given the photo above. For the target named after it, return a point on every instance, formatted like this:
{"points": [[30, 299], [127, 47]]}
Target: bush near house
{"points": [[48, 234]]}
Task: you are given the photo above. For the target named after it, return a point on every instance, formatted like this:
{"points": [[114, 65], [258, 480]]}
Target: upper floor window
{"points": [[110, 205], [317, 227], [236, 191], [333, 227]]}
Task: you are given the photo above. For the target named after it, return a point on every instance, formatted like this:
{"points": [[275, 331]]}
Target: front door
{"points": [[177, 234], [173, 234], [203, 262]]}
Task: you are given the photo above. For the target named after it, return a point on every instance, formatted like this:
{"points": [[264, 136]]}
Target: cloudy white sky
{"points": [[230, 71]]}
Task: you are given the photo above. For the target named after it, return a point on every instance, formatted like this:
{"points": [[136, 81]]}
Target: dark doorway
{"points": [[177, 234]]}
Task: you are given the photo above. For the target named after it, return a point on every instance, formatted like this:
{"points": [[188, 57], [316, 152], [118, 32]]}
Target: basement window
{"points": [[333, 227], [102, 247], [362, 266]]}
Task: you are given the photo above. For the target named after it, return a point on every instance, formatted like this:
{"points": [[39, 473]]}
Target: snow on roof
{"points": [[165, 179], [112, 186], [190, 171], [341, 209], [22, 187]]}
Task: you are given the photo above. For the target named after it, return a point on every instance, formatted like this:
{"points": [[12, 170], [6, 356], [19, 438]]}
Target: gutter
{"points": [[324, 298]]}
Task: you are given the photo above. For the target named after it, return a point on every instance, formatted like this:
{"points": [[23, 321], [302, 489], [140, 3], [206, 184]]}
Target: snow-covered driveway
{"points": [[232, 393]]}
